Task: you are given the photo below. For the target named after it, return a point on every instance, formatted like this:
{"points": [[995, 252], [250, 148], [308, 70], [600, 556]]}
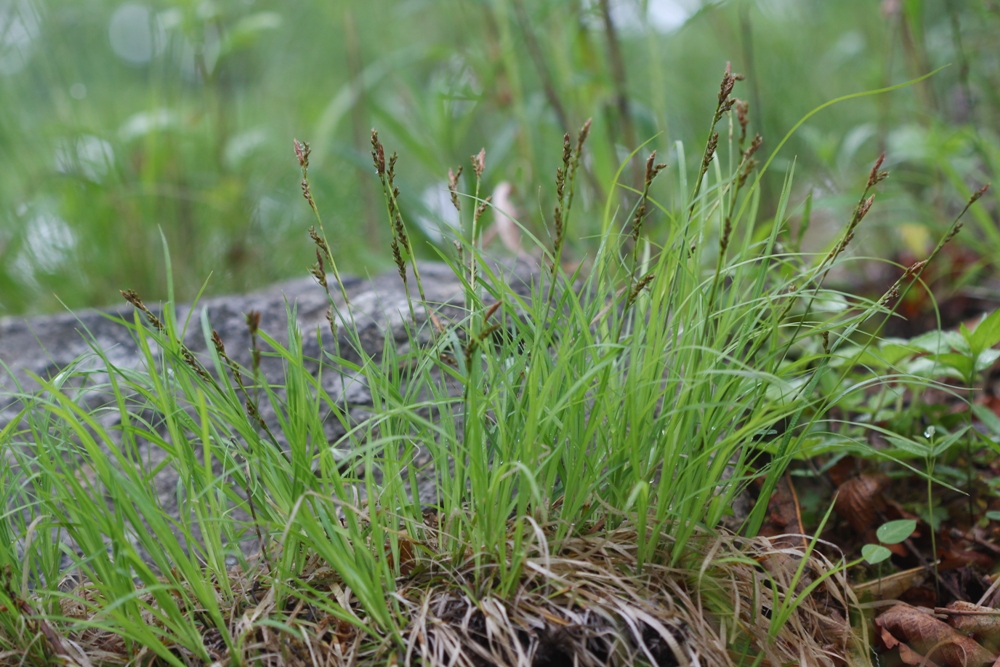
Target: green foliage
{"points": [[891, 532], [640, 393], [894, 532], [178, 115], [700, 349]]}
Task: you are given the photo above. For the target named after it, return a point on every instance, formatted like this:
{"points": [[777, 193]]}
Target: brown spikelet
{"points": [[724, 105], [253, 321], [302, 152], [479, 162], [725, 90], [754, 146], [378, 154], [743, 118], [137, 303], [397, 257], [568, 178], [220, 348], [582, 137], [482, 207], [652, 171], [318, 240], [307, 193], [713, 143], [453, 188], [331, 321], [492, 309], [318, 271], [876, 176], [390, 172], [185, 353], [914, 268], [637, 289], [865, 207]]}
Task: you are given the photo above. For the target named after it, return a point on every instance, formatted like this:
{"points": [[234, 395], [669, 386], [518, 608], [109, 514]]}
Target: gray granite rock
{"points": [[46, 346]]}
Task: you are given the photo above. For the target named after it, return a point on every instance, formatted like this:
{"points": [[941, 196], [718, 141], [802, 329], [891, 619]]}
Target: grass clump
{"points": [[541, 471]]}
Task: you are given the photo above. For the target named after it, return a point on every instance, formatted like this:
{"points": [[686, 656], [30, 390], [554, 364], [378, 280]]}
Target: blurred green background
{"points": [[120, 120]]}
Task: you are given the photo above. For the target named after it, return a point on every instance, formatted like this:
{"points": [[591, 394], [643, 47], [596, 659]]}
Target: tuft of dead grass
{"points": [[584, 601]]}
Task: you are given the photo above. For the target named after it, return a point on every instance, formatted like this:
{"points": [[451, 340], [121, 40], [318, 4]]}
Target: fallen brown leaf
{"points": [[980, 623], [919, 635], [892, 586], [859, 499]]}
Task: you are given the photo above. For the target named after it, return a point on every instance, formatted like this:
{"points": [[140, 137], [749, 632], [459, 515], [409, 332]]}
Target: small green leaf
{"points": [[907, 446], [893, 350], [993, 515], [966, 334], [987, 333], [986, 359], [934, 517], [960, 362], [895, 532], [988, 418], [875, 553], [946, 444], [940, 342]]}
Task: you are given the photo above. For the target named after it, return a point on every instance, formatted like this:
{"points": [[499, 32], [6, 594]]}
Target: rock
{"points": [[46, 346]]}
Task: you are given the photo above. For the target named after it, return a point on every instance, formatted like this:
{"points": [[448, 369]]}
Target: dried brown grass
{"points": [[580, 602]]}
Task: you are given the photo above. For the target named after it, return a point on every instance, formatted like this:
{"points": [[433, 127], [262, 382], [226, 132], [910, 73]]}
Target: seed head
{"points": [[453, 188], [865, 207], [318, 240], [742, 116], [876, 176], [318, 270], [302, 152], [582, 137], [754, 145], [253, 322], [726, 87], [482, 207], [378, 154], [137, 303], [713, 142], [479, 162]]}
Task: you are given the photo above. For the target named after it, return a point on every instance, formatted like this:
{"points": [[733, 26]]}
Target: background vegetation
{"points": [[708, 353], [121, 119]]}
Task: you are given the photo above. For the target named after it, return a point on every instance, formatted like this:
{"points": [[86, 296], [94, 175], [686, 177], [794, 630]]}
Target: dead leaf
{"points": [[859, 499], [504, 215], [918, 634], [784, 523], [893, 585], [980, 623]]}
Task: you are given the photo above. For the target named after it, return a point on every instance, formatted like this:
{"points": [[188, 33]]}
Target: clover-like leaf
{"points": [[894, 532], [875, 553]]}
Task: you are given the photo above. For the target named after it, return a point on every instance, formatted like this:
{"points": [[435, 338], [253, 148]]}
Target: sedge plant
{"points": [[640, 394]]}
